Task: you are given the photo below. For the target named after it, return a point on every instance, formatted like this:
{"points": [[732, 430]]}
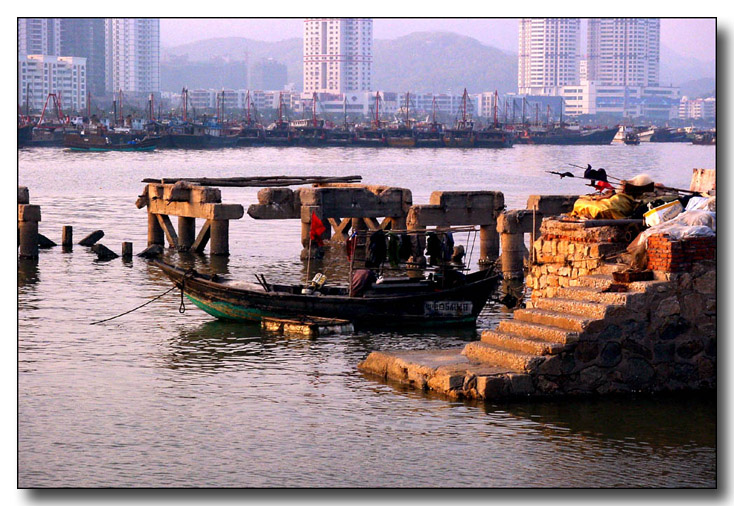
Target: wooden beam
{"points": [[202, 238], [341, 228], [168, 229]]}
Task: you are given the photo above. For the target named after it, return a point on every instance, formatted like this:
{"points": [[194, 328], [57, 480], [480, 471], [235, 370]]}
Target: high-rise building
{"points": [[132, 48], [548, 55], [39, 36], [40, 75], [624, 51], [85, 37], [337, 55]]}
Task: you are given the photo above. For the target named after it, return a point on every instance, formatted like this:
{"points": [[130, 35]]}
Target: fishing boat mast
{"points": [[313, 110], [496, 100]]}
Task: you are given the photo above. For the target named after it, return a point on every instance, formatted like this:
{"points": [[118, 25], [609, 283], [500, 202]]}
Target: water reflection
{"points": [[642, 419], [28, 274], [219, 345]]}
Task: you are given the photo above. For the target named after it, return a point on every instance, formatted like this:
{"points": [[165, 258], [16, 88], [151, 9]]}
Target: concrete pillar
{"points": [[219, 240], [28, 218], [489, 242], [155, 231], [186, 232], [513, 252], [28, 236]]}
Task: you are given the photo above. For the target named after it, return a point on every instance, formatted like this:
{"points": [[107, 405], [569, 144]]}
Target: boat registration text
{"points": [[447, 308]]}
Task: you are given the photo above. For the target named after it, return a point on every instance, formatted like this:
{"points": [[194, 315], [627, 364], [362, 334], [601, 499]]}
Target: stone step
{"points": [[600, 281], [500, 357], [549, 333], [522, 344], [573, 322], [589, 309], [591, 294], [609, 268]]}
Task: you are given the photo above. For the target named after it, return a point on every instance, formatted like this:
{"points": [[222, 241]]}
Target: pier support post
{"points": [[67, 237], [219, 237], [28, 239], [489, 242], [155, 231], [28, 218], [186, 232], [513, 252], [127, 250]]}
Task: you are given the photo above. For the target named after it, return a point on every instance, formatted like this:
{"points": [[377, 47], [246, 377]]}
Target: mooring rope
{"points": [[181, 308], [135, 309]]}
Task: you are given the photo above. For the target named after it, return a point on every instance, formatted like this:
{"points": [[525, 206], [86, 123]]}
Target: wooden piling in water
{"points": [[67, 234], [127, 250]]}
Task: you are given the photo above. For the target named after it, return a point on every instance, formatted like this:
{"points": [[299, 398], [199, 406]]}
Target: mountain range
{"points": [[420, 62]]}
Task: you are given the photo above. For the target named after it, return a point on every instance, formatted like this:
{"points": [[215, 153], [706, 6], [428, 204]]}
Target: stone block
{"points": [[521, 384], [689, 349], [552, 205], [706, 283], [611, 354], [491, 387], [23, 195], [486, 200], [28, 212]]}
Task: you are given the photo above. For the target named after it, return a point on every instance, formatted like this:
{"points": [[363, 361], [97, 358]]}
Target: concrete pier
{"points": [[188, 201], [458, 208]]}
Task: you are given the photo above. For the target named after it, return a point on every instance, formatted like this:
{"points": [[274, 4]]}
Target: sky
{"points": [[688, 37]]}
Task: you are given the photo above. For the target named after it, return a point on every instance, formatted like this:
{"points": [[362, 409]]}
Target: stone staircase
{"points": [[551, 325]]}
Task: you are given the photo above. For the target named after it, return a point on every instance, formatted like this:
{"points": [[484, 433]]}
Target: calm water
{"points": [[156, 398]]}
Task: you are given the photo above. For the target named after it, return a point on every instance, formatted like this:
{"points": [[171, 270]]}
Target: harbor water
{"points": [[160, 398]]}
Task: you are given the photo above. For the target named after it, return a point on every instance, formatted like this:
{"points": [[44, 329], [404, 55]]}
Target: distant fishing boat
{"points": [[100, 142]]}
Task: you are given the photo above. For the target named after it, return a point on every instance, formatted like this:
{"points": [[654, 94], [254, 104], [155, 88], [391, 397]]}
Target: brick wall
{"points": [[669, 255]]}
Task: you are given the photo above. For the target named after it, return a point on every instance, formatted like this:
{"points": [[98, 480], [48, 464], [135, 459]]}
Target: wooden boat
{"points": [[83, 142], [400, 137], [444, 299], [632, 139]]}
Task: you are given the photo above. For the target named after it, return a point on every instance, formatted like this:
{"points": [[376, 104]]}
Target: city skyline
{"points": [[689, 37]]}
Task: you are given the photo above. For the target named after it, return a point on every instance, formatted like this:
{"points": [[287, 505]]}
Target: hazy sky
{"points": [[688, 37]]}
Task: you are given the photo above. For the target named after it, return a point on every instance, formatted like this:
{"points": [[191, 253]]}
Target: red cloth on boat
{"points": [[317, 229]]}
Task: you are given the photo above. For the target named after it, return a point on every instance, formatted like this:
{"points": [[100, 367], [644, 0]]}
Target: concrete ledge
{"points": [[446, 372]]}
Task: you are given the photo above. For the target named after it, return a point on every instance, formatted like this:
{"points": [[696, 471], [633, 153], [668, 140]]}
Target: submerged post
{"points": [[67, 239]]}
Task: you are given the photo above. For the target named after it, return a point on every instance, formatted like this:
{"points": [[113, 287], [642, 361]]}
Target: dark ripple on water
{"points": [[156, 398]]}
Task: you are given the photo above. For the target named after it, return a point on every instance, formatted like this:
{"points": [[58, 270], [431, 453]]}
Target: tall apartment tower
{"points": [[133, 54], [624, 51], [85, 37], [39, 36], [548, 55], [337, 55]]}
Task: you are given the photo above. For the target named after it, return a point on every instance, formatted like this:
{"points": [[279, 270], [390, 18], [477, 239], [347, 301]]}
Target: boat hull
{"points": [[598, 137], [461, 304]]}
